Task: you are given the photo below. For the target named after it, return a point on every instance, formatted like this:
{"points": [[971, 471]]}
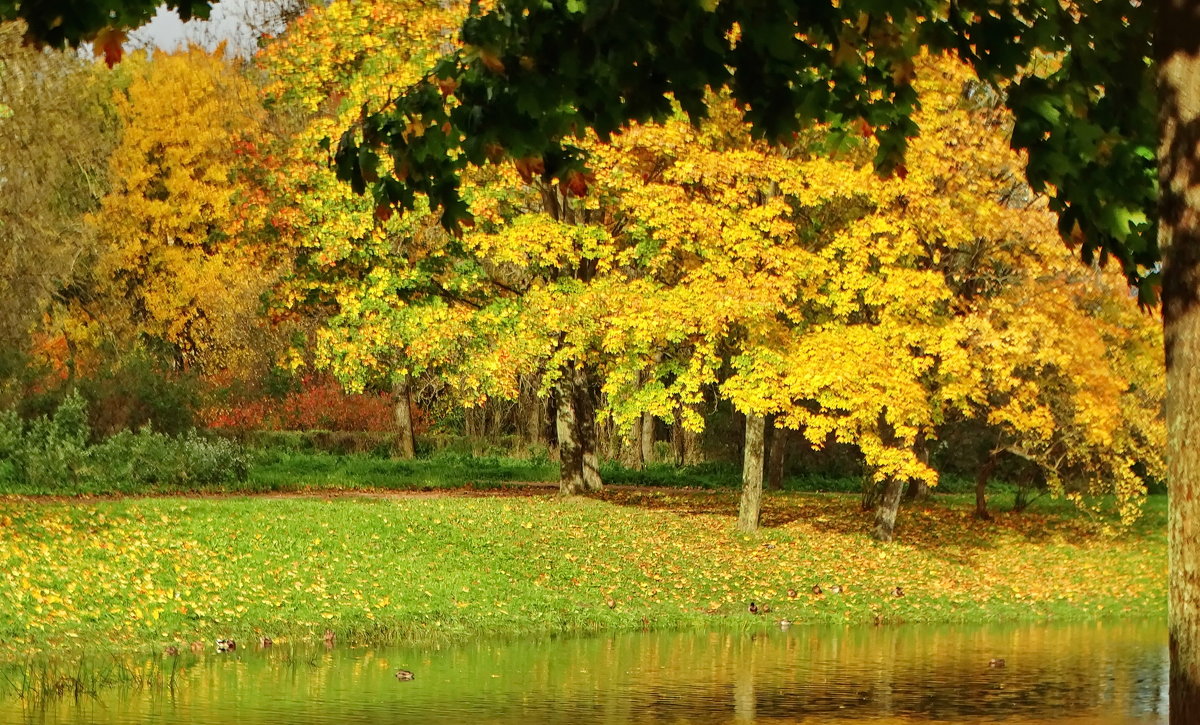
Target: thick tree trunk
{"points": [[637, 458], [647, 440], [570, 449], [778, 455], [886, 510], [750, 507], [580, 469], [1177, 47], [585, 418], [406, 443], [981, 482]]}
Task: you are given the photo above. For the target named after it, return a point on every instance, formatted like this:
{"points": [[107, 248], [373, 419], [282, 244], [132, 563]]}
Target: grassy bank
{"points": [[142, 574]]}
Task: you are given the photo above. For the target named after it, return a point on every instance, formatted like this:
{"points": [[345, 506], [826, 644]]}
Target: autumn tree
{"points": [[1088, 122], [170, 269], [57, 129]]}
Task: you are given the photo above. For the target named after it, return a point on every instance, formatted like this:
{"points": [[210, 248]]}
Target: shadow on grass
{"points": [[942, 523]]}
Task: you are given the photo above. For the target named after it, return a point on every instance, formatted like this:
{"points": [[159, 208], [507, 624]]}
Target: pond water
{"points": [[1098, 673]]}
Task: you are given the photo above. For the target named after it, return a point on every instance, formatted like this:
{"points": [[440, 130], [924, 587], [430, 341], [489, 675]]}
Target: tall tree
{"points": [[171, 268], [57, 129]]}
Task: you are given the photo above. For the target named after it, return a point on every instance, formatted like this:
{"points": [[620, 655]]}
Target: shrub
{"points": [[146, 459], [139, 390], [55, 455], [317, 403], [52, 452]]}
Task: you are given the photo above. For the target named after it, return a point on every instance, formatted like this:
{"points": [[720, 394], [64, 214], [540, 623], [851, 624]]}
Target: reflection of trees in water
{"points": [[1106, 673]]}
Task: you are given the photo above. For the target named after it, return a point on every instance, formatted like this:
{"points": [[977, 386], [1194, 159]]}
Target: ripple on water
{"points": [[1111, 673]]}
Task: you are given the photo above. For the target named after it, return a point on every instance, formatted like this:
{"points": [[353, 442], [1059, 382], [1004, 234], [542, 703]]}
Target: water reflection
{"points": [[1101, 673]]}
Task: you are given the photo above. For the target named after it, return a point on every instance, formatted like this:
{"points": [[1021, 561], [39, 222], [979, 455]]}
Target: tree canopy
{"points": [[532, 76]]}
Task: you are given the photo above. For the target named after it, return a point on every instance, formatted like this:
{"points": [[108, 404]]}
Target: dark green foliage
{"points": [[139, 389], [55, 455], [69, 22], [534, 75]]}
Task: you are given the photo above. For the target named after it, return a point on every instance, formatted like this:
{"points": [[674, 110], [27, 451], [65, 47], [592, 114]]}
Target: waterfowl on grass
{"points": [[897, 592], [836, 589], [996, 662], [753, 608], [265, 642], [226, 645], [171, 651], [329, 637], [817, 589], [784, 623], [197, 646], [405, 675], [792, 593]]}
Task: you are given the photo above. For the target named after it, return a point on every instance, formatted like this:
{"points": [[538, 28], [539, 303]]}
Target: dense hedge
{"points": [[57, 454]]}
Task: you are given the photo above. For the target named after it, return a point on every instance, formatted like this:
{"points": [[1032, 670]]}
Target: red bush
{"points": [[320, 404]]}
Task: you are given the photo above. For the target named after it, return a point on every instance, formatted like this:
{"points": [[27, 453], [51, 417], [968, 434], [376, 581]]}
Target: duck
{"points": [[405, 675], [197, 646], [996, 662], [265, 642], [171, 651], [226, 645], [785, 623], [897, 592], [836, 589], [792, 593], [817, 589], [753, 608], [329, 637]]}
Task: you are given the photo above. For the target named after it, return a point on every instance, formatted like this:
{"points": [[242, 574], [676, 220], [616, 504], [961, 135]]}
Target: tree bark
{"points": [[778, 455], [405, 446], [570, 449], [885, 512], [637, 457], [576, 423], [647, 439], [678, 447], [918, 490], [1177, 50], [981, 482], [750, 507], [585, 418]]}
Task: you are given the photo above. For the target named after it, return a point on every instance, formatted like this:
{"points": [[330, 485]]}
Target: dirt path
{"points": [[509, 489]]}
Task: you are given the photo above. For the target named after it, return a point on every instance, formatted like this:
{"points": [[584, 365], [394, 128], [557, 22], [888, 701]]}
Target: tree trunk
{"points": [[580, 470], [981, 482], [678, 447], [750, 507], [637, 457], [1178, 55], [885, 512], [405, 446], [872, 490], [647, 440], [918, 490], [778, 454], [585, 419], [570, 449]]}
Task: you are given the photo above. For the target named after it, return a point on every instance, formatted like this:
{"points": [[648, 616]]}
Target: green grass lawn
{"points": [[145, 573]]}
